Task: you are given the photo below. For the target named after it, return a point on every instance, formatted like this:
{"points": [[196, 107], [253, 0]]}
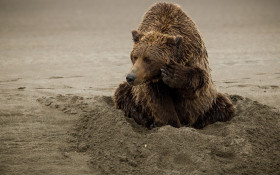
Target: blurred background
{"points": [[71, 46]]}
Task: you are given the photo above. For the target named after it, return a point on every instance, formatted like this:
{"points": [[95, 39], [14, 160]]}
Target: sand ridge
{"points": [[248, 144]]}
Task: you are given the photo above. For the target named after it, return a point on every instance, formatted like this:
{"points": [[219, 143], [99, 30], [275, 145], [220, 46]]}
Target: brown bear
{"points": [[170, 81]]}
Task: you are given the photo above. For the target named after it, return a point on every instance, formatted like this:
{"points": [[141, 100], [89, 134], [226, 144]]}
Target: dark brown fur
{"points": [[173, 84]]}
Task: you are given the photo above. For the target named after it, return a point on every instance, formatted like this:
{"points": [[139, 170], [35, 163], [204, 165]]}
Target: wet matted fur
{"points": [[173, 84]]}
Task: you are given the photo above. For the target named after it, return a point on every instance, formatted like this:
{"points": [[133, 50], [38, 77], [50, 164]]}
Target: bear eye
{"points": [[146, 59], [133, 59]]}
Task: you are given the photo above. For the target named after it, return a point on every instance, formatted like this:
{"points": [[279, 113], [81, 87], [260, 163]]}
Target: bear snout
{"points": [[130, 78]]}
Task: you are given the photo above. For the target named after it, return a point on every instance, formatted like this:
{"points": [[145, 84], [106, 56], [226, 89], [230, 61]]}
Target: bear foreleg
{"points": [[184, 77], [162, 106], [124, 100]]}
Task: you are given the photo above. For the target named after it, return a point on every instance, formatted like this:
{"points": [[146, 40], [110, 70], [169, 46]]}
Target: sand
{"points": [[61, 61], [248, 144]]}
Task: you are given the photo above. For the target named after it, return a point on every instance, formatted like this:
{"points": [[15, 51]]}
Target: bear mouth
{"points": [[154, 79]]}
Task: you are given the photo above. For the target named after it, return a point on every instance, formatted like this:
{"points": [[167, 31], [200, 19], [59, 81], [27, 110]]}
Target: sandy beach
{"points": [[61, 61]]}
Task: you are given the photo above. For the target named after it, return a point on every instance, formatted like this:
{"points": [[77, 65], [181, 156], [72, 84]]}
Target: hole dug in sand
{"points": [[248, 144]]}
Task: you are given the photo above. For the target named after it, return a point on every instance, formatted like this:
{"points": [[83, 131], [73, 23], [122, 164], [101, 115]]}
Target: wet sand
{"points": [[57, 56]]}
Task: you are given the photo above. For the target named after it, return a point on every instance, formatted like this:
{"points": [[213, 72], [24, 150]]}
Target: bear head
{"points": [[150, 52]]}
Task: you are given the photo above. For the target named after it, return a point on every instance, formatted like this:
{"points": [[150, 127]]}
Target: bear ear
{"points": [[136, 35], [175, 40]]}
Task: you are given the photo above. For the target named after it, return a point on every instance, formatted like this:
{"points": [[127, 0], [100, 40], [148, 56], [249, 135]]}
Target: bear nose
{"points": [[130, 78]]}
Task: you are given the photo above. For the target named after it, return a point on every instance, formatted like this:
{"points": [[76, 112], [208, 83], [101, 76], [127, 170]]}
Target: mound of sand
{"points": [[248, 144]]}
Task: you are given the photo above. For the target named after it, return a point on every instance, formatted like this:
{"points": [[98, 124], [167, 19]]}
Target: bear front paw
{"points": [[184, 77], [173, 75]]}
